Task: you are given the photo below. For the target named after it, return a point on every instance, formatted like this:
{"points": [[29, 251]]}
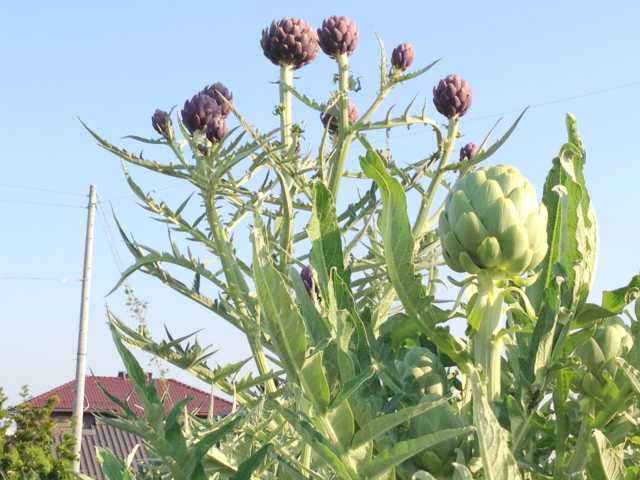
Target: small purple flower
{"points": [[161, 122], [310, 280], [330, 117], [222, 95], [468, 151], [199, 112], [216, 129], [289, 41], [338, 35], [402, 57], [452, 96]]}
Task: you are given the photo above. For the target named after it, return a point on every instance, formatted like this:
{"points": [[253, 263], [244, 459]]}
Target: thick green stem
{"points": [[286, 231], [422, 222], [485, 316], [344, 135], [238, 289], [286, 80]]}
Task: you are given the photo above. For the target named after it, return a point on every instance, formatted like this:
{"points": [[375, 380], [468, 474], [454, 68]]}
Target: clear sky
{"points": [[113, 63]]}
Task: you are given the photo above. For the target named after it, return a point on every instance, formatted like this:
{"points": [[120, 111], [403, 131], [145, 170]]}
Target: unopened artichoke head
{"points": [[493, 221]]}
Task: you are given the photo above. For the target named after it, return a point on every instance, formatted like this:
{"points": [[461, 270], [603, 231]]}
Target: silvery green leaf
{"points": [[607, 463], [316, 381], [401, 451], [572, 240], [497, 459], [281, 315]]}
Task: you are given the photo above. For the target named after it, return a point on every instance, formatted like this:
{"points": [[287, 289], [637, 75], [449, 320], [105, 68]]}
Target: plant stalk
{"points": [[344, 134], [487, 349], [422, 221], [238, 289], [286, 121]]}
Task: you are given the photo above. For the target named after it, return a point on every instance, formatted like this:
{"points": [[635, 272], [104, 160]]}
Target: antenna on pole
{"points": [[78, 404]]}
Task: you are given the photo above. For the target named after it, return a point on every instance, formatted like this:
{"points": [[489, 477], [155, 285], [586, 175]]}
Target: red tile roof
{"points": [[170, 390]]}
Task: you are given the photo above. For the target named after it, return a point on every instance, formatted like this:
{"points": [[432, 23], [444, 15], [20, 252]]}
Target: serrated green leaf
{"points": [[398, 253], [112, 467], [315, 378], [384, 461], [616, 300], [607, 463], [326, 240], [572, 240], [498, 462], [253, 463], [381, 425]]}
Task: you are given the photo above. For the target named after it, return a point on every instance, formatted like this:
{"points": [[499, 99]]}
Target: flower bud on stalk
{"points": [[452, 96], [421, 368], [161, 122], [310, 280], [222, 95], [494, 227], [202, 113], [402, 57], [330, 118], [290, 41], [468, 151], [338, 36]]}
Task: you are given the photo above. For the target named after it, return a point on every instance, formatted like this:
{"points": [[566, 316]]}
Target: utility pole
{"points": [[78, 404]]}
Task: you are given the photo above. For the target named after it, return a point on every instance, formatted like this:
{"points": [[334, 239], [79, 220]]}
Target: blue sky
{"points": [[113, 63]]}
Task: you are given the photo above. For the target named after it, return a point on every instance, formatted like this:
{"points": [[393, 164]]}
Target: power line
{"points": [[43, 204], [106, 228], [35, 277], [39, 189], [532, 106]]}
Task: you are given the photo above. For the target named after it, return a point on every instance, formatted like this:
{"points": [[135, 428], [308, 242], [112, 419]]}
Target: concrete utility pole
{"points": [[78, 404]]}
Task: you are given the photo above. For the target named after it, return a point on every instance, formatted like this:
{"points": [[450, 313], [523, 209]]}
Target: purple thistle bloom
{"points": [[452, 96], [220, 93], [161, 122], [338, 35], [199, 112], [216, 129], [289, 41], [402, 56], [468, 151], [331, 117], [309, 278]]}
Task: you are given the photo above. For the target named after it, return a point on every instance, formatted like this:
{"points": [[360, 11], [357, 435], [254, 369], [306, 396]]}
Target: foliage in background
{"points": [[357, 372], [27, 447]]}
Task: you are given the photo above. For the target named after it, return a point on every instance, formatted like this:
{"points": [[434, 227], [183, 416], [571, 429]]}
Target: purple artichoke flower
{"points": [[330, 118], [468, 151], [220, 93], [452, 97], [310, 280], [290, 41], [402, 56], [338, 35], [216, 129], [199, 112], [161, 122]]}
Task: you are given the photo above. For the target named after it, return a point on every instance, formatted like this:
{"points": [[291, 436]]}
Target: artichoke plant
{"points": [[355, 372]]}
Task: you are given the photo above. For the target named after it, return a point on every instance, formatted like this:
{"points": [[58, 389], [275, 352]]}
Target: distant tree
{"points": [[27, 447]]}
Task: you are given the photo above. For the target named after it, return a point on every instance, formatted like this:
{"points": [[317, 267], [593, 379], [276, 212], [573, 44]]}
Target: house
{"points": [[97, 434]]}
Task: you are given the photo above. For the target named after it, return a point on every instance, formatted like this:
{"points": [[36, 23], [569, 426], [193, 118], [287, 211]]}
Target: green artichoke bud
{"points": [[493, 221], [599, 353], [438, 458], [421, 368]]}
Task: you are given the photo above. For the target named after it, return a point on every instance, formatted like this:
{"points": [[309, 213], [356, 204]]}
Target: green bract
{"points": [[422, 369], [610, 341], [492, 221]]}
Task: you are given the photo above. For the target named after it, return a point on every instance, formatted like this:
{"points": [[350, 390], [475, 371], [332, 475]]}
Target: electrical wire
{"points": [[42, 204], [39, 189]]}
